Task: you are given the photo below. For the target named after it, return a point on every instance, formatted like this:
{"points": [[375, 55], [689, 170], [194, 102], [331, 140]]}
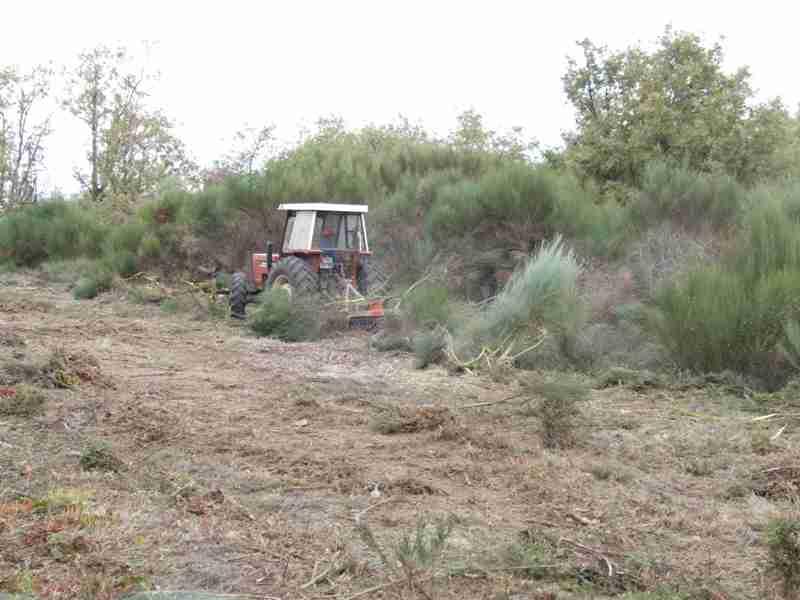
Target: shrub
{"points": [[287, 319], [670, 192], [426, 305], [165, 209], [513, 193], [150, 247], [124, 263], [95, 280], [22, 401], [428, 347], [714, 320], [50, 230], [558, 410], [206, 212], [783, 542], [97, 456], [66, 271], [541, 294], [125, 238]]}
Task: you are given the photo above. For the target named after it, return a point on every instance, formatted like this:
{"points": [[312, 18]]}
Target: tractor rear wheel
{"points": [[238, 297], [294, 276]]}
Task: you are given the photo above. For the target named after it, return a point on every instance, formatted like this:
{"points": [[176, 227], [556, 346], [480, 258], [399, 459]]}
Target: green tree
{"points": [[675, 102], [132, 146], [472, 134]]}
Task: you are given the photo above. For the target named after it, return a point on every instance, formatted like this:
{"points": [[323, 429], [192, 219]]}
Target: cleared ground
{"points": [[175, 453]]}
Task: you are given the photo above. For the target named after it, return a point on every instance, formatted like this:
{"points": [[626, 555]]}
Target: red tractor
{"points": [[324, 252]]}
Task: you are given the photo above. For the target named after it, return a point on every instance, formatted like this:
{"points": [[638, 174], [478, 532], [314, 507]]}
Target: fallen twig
{"points": [[317, 578], [490, 403]]}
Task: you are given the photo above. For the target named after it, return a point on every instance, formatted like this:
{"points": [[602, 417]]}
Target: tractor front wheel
{"points": [[293, 276], [238, 297]]}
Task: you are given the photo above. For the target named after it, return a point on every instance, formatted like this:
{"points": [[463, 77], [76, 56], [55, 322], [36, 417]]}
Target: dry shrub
{"points": [[777, 483], [403, 420], [558, 410], [663, 254], [413, 486], [65, 369], [23, 401], [60, 369], [636, 380]]}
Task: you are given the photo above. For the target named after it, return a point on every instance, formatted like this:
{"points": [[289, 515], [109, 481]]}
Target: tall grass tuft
{"points": [[671, 192], [543, 294]]}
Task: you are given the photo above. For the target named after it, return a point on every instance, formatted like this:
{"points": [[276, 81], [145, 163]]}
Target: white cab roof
{"points": [[322, 206]]}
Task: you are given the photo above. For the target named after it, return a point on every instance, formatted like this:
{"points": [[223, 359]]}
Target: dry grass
{"points": [[22, 401], [247, 462]]}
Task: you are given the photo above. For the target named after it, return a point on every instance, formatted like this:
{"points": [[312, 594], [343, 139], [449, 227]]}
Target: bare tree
{"points": [[22, 133], [132, 147]]}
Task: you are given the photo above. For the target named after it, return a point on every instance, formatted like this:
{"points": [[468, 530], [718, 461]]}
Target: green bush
{"points": [[427, 305], [150, 247], [126, 238], [543, 292], [165, 209], [514, 193], [287, 319], [737, 314], [96, 279], [50, 231], [124, 263], [783, 542], [673, 192], [207, 211]]}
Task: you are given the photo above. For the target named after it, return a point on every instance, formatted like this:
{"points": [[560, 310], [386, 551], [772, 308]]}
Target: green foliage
{"points": [[544, 293], [150, 247], [206, 212], [423, 549], [428, 347], [97, 456], [50, 230], [734, 315], [530, 557], [670, 192], [427, 305], [783, 542], [714, 319], [125, 263], [675, 102], [287, 319], [170, 306], [95, 280]]}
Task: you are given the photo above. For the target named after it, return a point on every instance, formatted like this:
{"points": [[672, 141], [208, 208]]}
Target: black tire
{"points": [[238, 297], [362, 280], [297, 273]]}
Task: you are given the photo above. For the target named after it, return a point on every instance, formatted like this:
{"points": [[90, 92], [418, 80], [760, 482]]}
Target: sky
{"points": [[227, 65]]}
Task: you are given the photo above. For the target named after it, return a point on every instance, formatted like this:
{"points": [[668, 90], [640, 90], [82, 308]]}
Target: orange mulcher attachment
{"points": [[369, 319]]}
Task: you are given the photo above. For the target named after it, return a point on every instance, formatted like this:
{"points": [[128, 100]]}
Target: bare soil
{"points": [[248, 466]]}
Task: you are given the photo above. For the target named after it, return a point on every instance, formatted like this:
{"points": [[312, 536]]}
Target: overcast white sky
{"points": [[229, 63]]}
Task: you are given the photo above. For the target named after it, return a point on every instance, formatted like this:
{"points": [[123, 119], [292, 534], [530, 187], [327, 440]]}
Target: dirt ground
{"points": [[174, 452]]}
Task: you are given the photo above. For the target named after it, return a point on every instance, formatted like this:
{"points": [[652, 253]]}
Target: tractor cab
{"points": [[324, 251]]}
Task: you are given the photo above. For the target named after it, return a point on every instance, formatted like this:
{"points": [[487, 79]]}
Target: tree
{"points": [[249, 151], [132, 147], [675, 102], [22, 135], [472, 134]]}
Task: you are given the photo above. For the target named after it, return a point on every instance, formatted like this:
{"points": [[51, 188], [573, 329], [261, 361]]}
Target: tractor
{"points": [[324, 252]]}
